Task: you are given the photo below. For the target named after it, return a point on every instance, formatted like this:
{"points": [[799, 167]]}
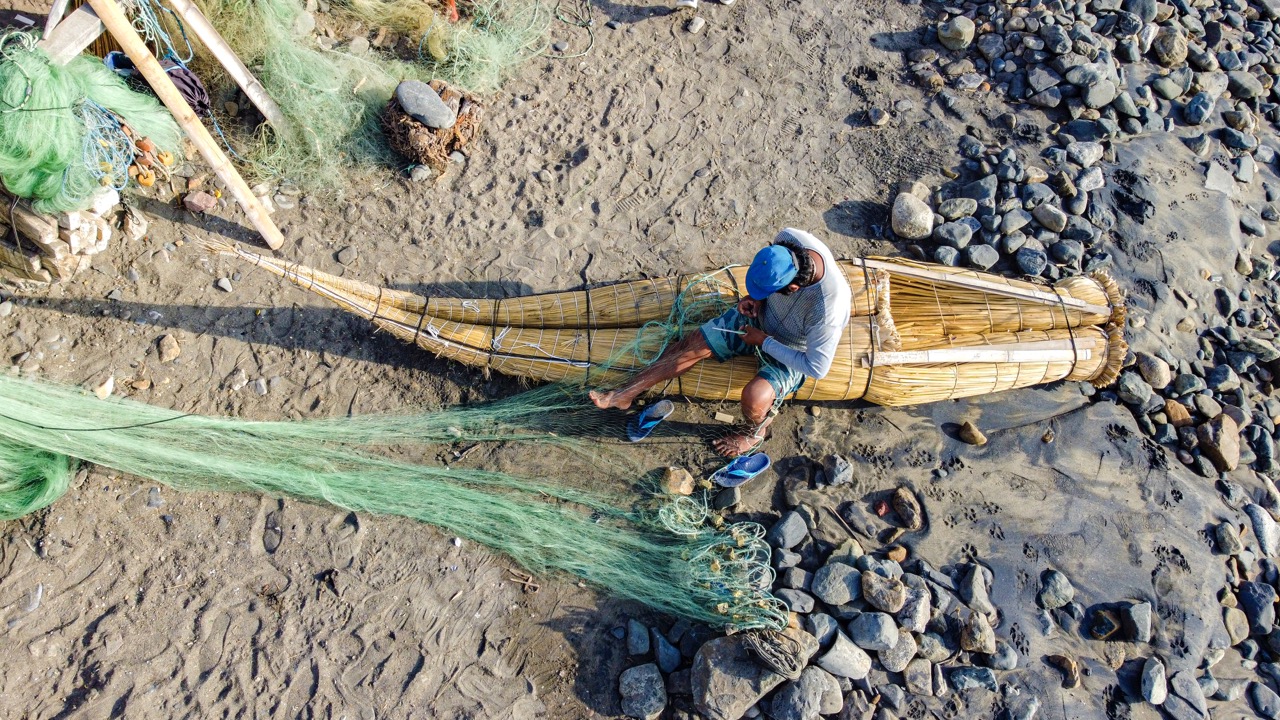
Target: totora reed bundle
{"points": [[917, 333]]}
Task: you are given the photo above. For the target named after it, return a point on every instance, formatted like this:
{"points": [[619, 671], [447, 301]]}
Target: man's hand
{"points": [[754, 336], [750, 307]]}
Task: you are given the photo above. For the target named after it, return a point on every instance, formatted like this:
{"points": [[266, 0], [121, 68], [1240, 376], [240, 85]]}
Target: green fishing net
{"points": [[58, 143], [664, 552], [332, 98]]}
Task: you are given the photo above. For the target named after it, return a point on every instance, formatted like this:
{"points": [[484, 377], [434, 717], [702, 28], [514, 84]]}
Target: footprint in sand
{"points": [[272, 532]]}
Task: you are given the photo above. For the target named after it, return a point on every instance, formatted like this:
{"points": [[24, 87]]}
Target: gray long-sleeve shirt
{"points": [[805, 327]]}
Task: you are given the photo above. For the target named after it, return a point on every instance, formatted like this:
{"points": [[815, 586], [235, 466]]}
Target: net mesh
{"points": [[634, 545], [333, 98], [49, 150]]}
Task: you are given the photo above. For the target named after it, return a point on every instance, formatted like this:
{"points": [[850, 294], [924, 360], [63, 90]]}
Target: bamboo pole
{"points": [[223, 53], [122, 30]]}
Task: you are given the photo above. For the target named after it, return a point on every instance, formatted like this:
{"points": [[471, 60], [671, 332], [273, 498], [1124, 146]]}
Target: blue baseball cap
{"points": [[772, 269]]}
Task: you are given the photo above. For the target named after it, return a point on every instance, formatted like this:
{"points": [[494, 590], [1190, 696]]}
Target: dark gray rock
{"points": [[1031, 261], [1264, 701], [1244, 85], [873, 631], [424, 105], [837, 584], [982, 257], [637, 638], [1184, 685], [788, 532], [1055, 590], [1132, 389], [1041, 78], [796, 600], [1198, 109], [953, 234], [1258, 600], [803, 699], [666, 653]]}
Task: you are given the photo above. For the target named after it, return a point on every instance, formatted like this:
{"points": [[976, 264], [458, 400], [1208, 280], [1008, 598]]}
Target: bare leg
{"points": [[757, 400], [674, 361]]}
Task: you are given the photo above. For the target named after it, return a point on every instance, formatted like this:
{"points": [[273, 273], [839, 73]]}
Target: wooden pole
{"points": [[122, 30], [213, 40]]}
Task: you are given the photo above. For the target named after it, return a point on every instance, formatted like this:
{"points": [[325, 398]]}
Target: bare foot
{"points": [[611, 399], [736, 444]]}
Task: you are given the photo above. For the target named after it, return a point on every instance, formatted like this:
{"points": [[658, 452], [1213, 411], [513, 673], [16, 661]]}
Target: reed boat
{"points": [[918, 332]]}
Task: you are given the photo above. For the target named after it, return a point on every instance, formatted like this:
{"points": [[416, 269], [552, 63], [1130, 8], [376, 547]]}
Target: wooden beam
{"points": [[71, 36], [122, 30], [1038, 296]]}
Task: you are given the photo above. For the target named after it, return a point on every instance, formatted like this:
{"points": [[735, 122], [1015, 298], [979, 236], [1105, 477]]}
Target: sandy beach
{"points": [[659, 152]]}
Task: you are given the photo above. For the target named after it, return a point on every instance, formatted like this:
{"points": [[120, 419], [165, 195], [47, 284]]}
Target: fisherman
{"points": [[795, 312]]}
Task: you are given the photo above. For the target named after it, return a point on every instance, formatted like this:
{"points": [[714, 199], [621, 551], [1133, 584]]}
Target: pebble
{"points": [[1155, 687], [167, 348], [1154, 371], [956, 33], [837, 584], [969, 433], [347, 255], [1258, 602], [976, 635], [667, 655], [199, 202], [845, 659], [223, 284], [874, 631], [696, 24], [972, 678], [911, 218], [896, 658], [1055, 590], [1264, 700], [908, 509], [1265, 529], [882, 593], [788, 532]]}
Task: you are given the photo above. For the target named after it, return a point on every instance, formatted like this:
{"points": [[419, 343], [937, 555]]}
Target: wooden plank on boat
{"points": [[1039, 296], [974, 355]]}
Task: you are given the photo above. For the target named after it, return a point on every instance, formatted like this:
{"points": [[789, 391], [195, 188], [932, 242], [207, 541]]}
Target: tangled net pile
{"points": [[60, 134], [333, 98], [671, 559]]}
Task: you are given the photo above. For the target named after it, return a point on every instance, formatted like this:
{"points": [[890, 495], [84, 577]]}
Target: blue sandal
{"points": [[741, 469], [643, 423]]}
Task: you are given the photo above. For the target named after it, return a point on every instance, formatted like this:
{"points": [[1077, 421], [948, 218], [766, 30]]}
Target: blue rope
{"points": [[147, 23], [108, 151]]}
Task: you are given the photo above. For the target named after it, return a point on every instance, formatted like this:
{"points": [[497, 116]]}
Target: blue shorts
{"points": [[726, 345]]}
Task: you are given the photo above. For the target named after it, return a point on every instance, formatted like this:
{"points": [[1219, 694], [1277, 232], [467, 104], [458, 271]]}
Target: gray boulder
{"points": [[643, 691]]}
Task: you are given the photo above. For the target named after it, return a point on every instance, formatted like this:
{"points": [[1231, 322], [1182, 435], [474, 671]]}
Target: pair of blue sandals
{"points": [[738, 471]]}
